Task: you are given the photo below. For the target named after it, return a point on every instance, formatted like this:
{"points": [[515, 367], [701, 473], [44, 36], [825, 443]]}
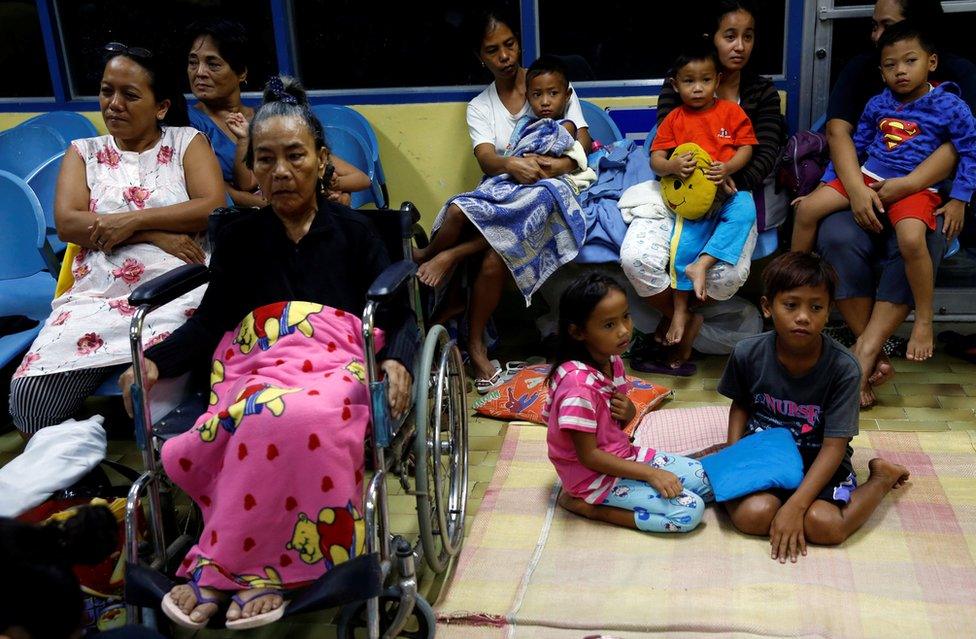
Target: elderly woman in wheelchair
{"points": [[276, 462]]}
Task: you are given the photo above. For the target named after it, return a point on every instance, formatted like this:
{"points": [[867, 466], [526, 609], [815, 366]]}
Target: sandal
{"points": [[512, 368], [180, 618], [243, 623], [487, 384]]}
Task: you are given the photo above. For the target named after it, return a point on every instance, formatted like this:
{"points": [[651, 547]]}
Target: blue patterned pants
{"points": [[654, 513]]}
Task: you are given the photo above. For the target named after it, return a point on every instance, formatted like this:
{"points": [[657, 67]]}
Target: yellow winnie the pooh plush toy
{"points": [[692, 197]]}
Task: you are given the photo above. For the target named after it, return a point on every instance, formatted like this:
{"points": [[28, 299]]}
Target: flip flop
{"points": [[257, 620], [686, 369], [512, 368], [180, 618], [487, 384]]}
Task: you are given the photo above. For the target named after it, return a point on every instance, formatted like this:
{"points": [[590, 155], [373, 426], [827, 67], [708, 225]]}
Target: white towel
{"points": [[644, 200]]}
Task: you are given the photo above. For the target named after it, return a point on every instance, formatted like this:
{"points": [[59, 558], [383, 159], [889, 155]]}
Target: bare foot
{"points": [[480, 364], [676, 329], [257, 601], [697, 272], [891, 474], [575, 505], [419, 255], [186, 600], [661, 331], [433, 271], [921, 343], [682, 352], [867, 358], [883, 370]]}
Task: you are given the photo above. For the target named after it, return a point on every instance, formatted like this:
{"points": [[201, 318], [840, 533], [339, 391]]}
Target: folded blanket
{"points": [[624, 165], [535, 228]]}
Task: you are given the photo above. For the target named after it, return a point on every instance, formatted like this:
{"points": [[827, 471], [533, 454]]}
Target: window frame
{"points": [[284, 38]]}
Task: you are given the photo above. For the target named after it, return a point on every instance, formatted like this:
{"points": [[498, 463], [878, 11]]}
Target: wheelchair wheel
{"points": [[441, 449], [421, 624]]}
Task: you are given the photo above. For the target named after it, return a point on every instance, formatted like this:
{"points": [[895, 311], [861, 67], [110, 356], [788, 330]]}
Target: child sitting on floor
{"points": [[794, 377], [724, 131], [900, 128], [547, 91], [604, 476]]}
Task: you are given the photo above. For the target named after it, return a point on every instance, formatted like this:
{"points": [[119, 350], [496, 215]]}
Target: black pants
{"points": [[46, 400]]}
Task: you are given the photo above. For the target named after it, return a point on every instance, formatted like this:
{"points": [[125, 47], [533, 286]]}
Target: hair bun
{"points": [[285, 89]]}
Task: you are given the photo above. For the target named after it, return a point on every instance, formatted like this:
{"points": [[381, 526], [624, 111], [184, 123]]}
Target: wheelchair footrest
{"points": [[144, 586], [354, 580]]}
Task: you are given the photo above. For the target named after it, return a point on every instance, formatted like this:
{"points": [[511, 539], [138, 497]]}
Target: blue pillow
{"points": [[764, 460]]}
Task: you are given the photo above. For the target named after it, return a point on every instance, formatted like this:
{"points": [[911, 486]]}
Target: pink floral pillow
{"points": [[692, 432]]}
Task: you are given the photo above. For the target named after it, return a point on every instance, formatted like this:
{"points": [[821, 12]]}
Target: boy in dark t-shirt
{"points": [[794, 377]]}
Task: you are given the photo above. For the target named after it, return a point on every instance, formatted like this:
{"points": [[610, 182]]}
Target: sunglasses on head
{"points": [[120, 49]]}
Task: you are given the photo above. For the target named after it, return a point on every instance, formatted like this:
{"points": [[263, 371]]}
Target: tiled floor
{"points": [[936, 395]]}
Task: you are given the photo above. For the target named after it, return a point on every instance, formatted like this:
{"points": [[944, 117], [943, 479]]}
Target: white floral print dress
{"points": [[89, 323]]}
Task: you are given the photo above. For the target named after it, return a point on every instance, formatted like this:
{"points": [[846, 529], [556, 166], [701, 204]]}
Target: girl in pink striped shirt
{"points": [[604, 476]]}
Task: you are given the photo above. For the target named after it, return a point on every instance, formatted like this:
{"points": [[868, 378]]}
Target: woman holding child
{"points": [[511, 155], [853, 240], [733, 33]]}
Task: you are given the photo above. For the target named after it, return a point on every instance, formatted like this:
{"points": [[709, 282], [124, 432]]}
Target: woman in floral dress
{"points": [[135, 201]]}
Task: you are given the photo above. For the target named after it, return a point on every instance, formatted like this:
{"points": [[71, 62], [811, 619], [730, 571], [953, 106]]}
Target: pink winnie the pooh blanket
{"points": [[276, 462]]}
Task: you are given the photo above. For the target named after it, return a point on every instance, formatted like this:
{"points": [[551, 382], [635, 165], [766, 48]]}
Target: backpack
{"points": [[803, 162]]}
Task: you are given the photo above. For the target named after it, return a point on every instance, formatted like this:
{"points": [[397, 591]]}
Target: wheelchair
{"points": [[427, 450]]}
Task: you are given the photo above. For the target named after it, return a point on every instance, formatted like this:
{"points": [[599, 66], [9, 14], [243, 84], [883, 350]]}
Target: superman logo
{"points": [[896, 131]]}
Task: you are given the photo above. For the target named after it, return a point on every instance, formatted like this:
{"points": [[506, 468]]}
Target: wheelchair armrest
{"points": [[169, 286], [391, 280]]}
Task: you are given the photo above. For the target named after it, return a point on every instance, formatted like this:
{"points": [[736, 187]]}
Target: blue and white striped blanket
{"points": [[535, 228]]}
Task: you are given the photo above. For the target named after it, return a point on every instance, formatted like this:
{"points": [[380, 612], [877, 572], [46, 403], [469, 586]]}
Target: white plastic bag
{"points": [[55, 458], [726, 322]]}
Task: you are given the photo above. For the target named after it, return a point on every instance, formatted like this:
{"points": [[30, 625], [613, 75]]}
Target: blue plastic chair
{"points": [[338, 115], [26, 288], [353, 149], [69, 124], [43, 182], [601, 127], [952, 249], [25, 148], [649, 140]]}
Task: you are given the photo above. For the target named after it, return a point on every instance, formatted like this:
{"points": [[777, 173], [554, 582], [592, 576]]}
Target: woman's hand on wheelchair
{"points": [[128, 378], [399, 380]]}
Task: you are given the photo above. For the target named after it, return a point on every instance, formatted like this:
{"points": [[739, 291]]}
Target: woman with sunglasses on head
{"points": [[135, 201], [216, 68]]}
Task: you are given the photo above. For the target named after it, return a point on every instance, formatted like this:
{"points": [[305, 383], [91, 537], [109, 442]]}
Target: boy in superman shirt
{"points": [[724, 131], [899, 129], [795, 377]]}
